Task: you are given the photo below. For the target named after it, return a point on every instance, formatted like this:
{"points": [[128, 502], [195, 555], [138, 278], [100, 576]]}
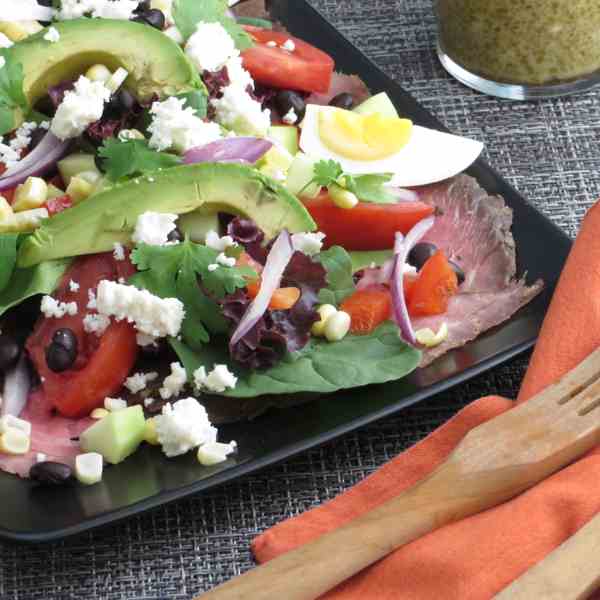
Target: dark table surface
{"points": [[548, 150]]}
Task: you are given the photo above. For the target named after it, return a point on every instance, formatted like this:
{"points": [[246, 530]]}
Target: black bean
{"points": [[142, 7], [153, 17], [175, 235], [66, 338], [152, 351], [343, 100], [36, 137], [286, 100], [51, 473], [460, 274], [47, 3], [120, 103], [58, 358], [420, 254], [9, 352]]}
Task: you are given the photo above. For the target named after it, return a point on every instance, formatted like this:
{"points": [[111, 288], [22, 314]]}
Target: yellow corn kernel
{"points": [[150, 434], [325, 311], [341, 197], [426, 337], [99, 73], [14, 441], [99, 413], [337, 326]]}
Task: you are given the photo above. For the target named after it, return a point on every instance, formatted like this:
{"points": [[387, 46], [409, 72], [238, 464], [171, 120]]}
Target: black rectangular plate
{"points": [[147, 479]]}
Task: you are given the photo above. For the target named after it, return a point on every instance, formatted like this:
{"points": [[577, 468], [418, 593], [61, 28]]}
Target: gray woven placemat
{"points": [[549, 150]]}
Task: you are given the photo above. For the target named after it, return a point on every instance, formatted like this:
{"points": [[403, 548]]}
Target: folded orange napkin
{"points": [[477, 557]]}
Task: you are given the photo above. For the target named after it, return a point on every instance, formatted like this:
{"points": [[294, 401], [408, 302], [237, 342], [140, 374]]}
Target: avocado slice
{"points": [[157, 66], [97, 223]]}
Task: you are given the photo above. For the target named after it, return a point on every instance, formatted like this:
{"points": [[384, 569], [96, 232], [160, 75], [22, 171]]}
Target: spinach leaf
{"points": [[340, 283], [320, 366], [25, 283], [8, 257]]}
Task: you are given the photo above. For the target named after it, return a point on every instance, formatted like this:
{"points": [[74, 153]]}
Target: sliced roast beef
{"points": [[473, 229]]}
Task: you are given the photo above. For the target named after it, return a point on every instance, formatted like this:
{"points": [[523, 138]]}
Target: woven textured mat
{"points": [[549, 150]]}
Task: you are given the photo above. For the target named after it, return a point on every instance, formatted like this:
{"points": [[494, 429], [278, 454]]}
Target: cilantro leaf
{"points": [[12, 96], [181, 271], [133, 157], [188, 13], [371, 188], [340, 282], [327, 172]]}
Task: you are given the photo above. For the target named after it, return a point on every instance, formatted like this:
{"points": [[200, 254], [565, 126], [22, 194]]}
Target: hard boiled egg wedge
{"points": [[374, 143]]}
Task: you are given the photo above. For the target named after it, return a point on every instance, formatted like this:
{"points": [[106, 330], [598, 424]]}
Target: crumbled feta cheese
{"points": [[12, 422], [118, 251], [210, 47], [213, 267], [174, 126], [52, 308], [139, 381], [114, 404], [174, 383], [216, 242], [409, 269], [88, 468], [290, 118], [2, 61], [92, 300], [154, 316], [40, 457], [154, 228], [80, 107], [107, 9], [52, 35], [184, 426], [218, 380], [237, 110], [97, 324], [272, 44], [5, 41], [144, 340], [289, 45], [10, 154], [226, 261], [74, 9], [148, 402], [237, 74], [44, 125], [73, 286], [308, 243], [214, 453]]}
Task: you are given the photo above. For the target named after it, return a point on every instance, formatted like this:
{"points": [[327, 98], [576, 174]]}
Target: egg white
{"points": [[429, 156]]}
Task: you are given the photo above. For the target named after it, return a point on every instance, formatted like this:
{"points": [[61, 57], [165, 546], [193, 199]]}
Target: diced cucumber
{"points": [[197, 224], [287, 136], [380, 103], [74, 164], [117, 435], [301, 172]]}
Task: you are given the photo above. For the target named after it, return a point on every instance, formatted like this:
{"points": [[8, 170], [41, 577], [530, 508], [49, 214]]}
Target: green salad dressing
{"points": [[533, 42]]}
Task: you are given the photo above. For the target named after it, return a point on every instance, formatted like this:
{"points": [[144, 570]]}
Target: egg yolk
{"points": [[363, 137]]}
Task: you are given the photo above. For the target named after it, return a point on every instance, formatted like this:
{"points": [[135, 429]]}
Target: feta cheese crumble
{"points": [[214, 453], [52, 35], [218, 380], [92, 305], [10, 153], [210, 47], [226, 261], [184, 426], [151, 315], [80, 107], [237, 74], [118, 251], [290, 118], [107, 9], [308, 243], [52, 308], [289, 45], [174, 126], [216, 242], [237, 110], [114, 404], [94, 323], [144, 340], [213, 267], [153, 228], [272, 44], [73, 286], [174, 383], [139, 381]]}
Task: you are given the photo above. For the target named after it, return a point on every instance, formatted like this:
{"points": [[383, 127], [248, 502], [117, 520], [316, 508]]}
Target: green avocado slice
{"points": [[157, 66], [104, 219]]}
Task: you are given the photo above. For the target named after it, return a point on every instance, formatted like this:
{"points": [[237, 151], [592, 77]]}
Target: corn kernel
{"points": [[14, 441], [337, 326], [150, 434], [426, 337], [325, 311], [88, 468], [99, 73], [342, 198], [99, 413], [31, 194]]}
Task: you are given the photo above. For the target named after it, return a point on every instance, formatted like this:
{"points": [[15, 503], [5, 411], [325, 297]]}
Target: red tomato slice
{"points": [[436, 284], [102, 363], [56, 205], [368, 309], [366, 226], [306, 68]]}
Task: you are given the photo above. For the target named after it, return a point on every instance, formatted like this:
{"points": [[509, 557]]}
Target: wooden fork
{"points": [[493, 463]]}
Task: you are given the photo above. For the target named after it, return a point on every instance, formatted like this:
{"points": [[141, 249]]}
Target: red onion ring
{"points": [[16, 389], [235, 149]]}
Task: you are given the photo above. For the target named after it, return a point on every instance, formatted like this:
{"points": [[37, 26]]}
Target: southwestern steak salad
{"points": [[196, 206]]}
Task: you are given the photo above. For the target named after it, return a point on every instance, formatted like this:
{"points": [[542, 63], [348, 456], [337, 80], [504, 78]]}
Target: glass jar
{"points": [[521, 49]]}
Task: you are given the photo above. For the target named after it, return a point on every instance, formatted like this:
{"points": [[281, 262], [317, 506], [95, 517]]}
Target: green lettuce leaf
{"points": [[340, 283], [321, 366]]}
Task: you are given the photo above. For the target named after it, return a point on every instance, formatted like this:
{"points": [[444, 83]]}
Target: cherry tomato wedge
{"points": [[367, 226], [436, 284], [304, 68], [56, 205], [102, 363], [368, 309]]}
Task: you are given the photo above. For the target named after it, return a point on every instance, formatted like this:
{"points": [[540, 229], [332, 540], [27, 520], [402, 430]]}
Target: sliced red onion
{"points": [[16, 389], [277, 260], [26, 10], [402, 249], [235, 149], [38, 162]]}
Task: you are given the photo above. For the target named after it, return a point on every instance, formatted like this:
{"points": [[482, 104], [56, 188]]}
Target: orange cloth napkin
{"points": [[477, 557]]}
